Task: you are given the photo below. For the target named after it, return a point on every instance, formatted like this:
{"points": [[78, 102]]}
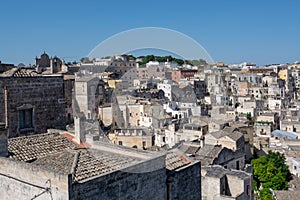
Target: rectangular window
{"points": [[237, 165], [26, 118], [120, 143]]}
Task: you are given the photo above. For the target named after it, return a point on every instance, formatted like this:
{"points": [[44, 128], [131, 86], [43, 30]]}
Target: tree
{"points": [[148, 58], [198, 62], [248, 116], [265, 194], [270, 172]]}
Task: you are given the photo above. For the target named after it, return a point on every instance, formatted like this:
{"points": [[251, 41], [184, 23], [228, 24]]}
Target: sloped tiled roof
{"points": [[85, 163], [37, 146], [57, 153], [54, 161], [189, 149], [92, 163], [222, 133], [219, 171], [175, 160], [208, 153], [219, 134], [236, 135], [19, 72]]}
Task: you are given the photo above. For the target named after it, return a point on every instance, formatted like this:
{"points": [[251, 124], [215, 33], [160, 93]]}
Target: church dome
{"points": [[44, 55]]}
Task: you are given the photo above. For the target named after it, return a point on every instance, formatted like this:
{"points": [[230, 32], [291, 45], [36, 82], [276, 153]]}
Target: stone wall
{"points": [[133, 141], [146, 180], [19, 180], [44, 94], [68, 88], [3, 140], [185, 183], [211, 188]]}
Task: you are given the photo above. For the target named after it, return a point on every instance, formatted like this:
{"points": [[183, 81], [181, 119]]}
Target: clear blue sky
{"points": [[261, 31]]}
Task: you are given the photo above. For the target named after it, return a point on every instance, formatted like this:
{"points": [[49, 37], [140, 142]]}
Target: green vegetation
{"points": [[265, 194], [248, 116], [198, 62], [85, 60], [270, 171], [148, 58]]}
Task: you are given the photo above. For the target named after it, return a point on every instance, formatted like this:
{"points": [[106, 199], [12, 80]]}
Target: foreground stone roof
{"points": [[55, 152], [85, 163], [30, 148]]}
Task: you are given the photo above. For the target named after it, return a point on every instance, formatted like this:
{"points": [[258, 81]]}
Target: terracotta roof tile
{"points": [[56, 152], [30, 148], [175, 160]]}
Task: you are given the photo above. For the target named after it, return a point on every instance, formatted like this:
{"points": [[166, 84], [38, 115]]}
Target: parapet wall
{"points": [[146, 180], [20, 180]]}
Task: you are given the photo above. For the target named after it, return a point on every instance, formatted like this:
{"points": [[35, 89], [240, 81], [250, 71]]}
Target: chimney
{"points": [[202, 138], [79, 129], [3, 140]]}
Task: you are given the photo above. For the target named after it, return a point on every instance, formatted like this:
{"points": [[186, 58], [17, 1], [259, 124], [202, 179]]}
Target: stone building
{"points": [[85, 89], [151, 70], [31, 103], [200, 88], [231, 140], [55, 166], [4, 67], [120, 65], [192, 131], [218, 155], [140, 138], [188, 73], [183, 176], [46, 64], [90, 93], [173, 74], [220, 183]]}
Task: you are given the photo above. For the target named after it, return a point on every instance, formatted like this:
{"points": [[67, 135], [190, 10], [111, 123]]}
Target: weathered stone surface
{"points": [[45, 94], [3, 140]]}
